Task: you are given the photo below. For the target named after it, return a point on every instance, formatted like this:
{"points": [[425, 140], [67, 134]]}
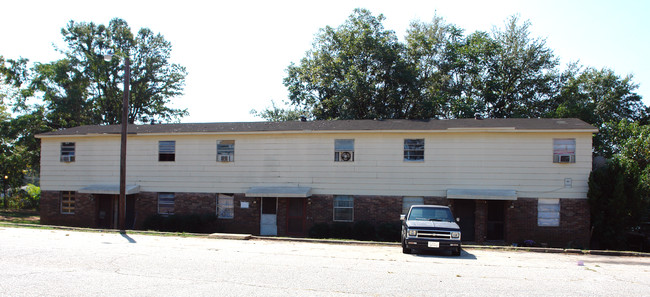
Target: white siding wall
{"points": [[517, 161]]}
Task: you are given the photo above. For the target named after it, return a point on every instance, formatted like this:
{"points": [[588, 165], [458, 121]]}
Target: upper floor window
{"points": [[344, 150], [225, 151], [67, 202], [564, 150], [67, 152], [413, 149], [166, 203], [167, 150]]}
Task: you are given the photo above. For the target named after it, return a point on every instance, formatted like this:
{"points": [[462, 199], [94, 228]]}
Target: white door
{"points": [[269, 217]]}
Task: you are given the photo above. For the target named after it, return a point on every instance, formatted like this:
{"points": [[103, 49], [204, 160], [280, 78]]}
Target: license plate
{"points": [[433, 244]]}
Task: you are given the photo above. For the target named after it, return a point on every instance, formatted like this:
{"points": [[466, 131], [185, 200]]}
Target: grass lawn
{"points": [[20, 216]]}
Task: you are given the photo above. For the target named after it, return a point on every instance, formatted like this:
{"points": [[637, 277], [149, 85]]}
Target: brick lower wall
{"points": [[246, 220], [521, 224], [520, 215], [84, 213]]}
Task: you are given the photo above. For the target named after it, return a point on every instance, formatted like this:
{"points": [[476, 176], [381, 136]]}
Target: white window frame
{"points": [[564, 148], [343, 147], [166, 147], [68, 202], [343, 202], [225, 151], [411, 146], [407, 202], [548, 212], [168, 200], [68, 152], [225, 206]]}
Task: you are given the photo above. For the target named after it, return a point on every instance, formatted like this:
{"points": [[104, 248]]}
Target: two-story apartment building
{"points": [[506, 179]]}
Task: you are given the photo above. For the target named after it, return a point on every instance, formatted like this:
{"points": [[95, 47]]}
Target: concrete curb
{"points": [[233, 236], [230, 236]]}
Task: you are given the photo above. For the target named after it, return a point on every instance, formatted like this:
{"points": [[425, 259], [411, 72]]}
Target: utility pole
{"points": [[121, 203], [4, 190]]}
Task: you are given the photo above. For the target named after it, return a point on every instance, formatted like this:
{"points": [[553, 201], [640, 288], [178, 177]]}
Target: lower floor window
{"points": [[67, 202], [166, 203], [225, 206], [548, 212], [344, 208], [407, 202]]}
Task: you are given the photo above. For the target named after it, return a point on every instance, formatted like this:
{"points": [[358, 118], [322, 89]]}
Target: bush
{"points": [[193, 223], [341, 230], [28, 198], [319, 230], [363, 230], [389, 232]]}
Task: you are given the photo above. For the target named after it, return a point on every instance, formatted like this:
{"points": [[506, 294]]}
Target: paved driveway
{"points": [[65, 263]]}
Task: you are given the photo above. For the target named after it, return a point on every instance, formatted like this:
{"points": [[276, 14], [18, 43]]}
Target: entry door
{"points": [[465, 210], [496, 216], [269, 217], [105, 211], [296, 216]]}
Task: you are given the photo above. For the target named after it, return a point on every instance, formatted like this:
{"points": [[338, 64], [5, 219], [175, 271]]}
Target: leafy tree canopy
{"points": [[360, 70], [84, 89]]}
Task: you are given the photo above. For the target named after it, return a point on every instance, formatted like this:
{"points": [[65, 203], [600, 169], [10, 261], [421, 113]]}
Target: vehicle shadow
{"points": [[464, 255]]}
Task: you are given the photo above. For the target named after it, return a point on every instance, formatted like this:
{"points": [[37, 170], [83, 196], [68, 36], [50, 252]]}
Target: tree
{"points": [[360, 71], [355, 71], [436, 52], [619, 193], [83, 89], [278, 114], [601, 98], [521, 76]]}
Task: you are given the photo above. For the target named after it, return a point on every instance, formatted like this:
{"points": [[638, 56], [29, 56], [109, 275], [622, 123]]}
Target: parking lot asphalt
{"points": [[37, 262], [234, 236]]}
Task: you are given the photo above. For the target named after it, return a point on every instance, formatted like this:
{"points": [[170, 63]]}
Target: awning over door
{"points": [[109, 189], [479, 194], [283, 192]]}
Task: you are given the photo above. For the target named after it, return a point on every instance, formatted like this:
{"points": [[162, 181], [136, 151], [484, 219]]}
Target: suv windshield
{"points": [[430, 214]]}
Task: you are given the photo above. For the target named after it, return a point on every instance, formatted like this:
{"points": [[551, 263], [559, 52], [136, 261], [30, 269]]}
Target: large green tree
{"points": [[83, 88], [360, 70], [354, 71], [619, 193], [521, 75], [601, 98]]}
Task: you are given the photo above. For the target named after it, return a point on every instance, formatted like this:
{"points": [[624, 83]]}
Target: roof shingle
{"points": [[335, 125]]}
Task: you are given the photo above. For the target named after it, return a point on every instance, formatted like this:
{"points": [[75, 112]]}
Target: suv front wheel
{"points": [[456, 252], [405, 249]]}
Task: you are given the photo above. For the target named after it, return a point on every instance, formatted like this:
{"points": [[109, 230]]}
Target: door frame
{"points": [[271, 229], [108, 204], [302, 217]]}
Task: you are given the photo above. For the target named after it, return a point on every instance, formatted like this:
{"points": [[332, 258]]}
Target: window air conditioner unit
{"points": [[67, 158], [346, 156], [565, 158], [225, 158]]}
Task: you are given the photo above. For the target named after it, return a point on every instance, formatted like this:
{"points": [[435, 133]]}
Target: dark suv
{"points": [[430, 227]]}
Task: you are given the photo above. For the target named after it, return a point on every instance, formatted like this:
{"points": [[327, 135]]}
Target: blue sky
{"points": [[236, 52]]}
